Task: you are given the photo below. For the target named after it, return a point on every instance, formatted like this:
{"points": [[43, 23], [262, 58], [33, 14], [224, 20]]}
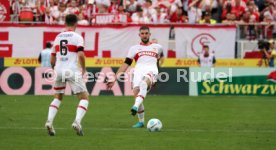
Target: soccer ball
{"points": [[154, 125]]}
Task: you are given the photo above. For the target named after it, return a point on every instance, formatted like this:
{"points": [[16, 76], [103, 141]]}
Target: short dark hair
{"points": [[139, 9], [48, 45], [205, 46], [71, 20], [149, 1], [144, 28]]}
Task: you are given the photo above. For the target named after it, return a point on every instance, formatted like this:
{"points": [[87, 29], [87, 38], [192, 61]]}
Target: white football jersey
{"points": [[65, 48], [146, 57], [207, 61]]}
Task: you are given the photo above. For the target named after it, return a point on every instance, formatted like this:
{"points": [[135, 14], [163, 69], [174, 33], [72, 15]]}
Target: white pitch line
{"points": [[131, 129]]}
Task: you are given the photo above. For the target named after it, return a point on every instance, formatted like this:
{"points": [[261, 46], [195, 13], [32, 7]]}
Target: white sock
{"points": [[138, 101], [142, 94], [141, 113], [53, 109], [81, 110]]}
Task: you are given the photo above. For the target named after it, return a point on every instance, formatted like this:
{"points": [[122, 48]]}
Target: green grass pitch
{"points": [[189, 123]]}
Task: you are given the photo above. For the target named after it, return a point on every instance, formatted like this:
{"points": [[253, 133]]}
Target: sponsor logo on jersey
{"points": [[147, 53]]}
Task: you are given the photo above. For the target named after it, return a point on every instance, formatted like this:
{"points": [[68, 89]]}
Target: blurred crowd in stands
{"points": [[252, 14]]}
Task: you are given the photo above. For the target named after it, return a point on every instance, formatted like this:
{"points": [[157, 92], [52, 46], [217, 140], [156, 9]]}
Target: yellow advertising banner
{"points": [[220, 62], [21, 62], [116, 62]]}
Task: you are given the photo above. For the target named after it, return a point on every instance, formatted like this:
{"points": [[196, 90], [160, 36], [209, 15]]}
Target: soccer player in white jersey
{"points": [[146, 55], [66, 55], [206, 59]]}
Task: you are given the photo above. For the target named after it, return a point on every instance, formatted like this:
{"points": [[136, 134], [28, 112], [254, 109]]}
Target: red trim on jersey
{"points": [[141, 43], [82, 108], [54, 106], [69, 30], [139, 112], [141, 96], [71, 48], [136, 57], [57, 48], [53, 54], [59, 88]]}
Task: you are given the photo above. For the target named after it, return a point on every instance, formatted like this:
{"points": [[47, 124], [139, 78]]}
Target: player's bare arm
{"points": [[81, 57], [53, 60], [120, 71]]}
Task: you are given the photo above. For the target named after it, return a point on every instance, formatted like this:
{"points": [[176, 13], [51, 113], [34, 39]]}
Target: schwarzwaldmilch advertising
{"points": [[232, 81]]}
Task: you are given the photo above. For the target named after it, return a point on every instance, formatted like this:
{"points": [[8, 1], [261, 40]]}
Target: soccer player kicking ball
{"points": [[146, 55], [67, 52]]}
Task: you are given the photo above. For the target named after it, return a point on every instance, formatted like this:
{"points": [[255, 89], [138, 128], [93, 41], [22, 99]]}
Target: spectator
{"points": [[174, 5], [106, 3], [40, 10], [207, 19], [226, 10], [49, 19], [254, 14], [53, 7], [131, 6], [260, 4], [274, 22], [272, 53], [90, 10], [45, 56], [82, 20], [60, 14], [103, 7], [16, 9], [113, 8], [159, 17], [148, 10], [141, 2], [138, 17], [230, 19], [268, 25], [121, 16], [179, 16], [73, 9], [248, 27], [238, 7], [194, 12]]}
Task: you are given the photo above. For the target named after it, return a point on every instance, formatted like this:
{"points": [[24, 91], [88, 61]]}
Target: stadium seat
{"points": [[26, 15]]}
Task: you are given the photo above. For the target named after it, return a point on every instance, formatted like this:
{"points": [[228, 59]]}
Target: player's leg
{"points": [[141, 117], [80, 112], [141, 113], [59, 88], [143, 87], [78, 87]]}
